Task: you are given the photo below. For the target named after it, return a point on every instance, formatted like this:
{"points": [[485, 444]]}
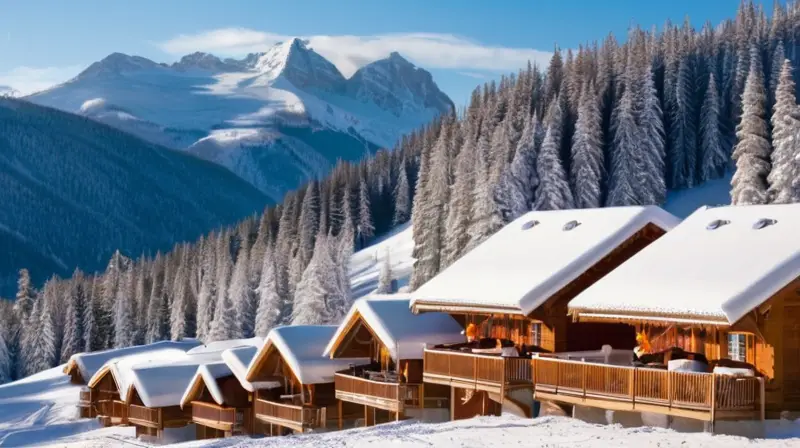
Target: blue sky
{"points": [[462, 42]]}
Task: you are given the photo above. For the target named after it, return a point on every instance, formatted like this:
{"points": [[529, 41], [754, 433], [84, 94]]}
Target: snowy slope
{"points": [[365, 265], [285, 109]]}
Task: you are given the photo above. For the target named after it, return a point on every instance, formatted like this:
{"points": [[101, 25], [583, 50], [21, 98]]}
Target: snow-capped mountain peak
{"points": [[118, 63], [398, 86], [275, 118], [300, 65], [206, 61]]}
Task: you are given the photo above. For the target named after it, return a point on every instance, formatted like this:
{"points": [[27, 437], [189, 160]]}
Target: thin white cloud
{"points": [[473, 75], [27, 80], [349, 52]]}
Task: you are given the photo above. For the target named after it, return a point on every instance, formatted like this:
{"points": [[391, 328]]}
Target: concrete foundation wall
{"points": [[744, 428]]}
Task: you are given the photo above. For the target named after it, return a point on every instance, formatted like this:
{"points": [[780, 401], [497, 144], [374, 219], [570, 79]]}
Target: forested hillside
{"points": [[74, 191], [610, 124]]}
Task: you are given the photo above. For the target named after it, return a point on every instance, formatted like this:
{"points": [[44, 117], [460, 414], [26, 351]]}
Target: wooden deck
{"points": [[295, 417], [159, 418], [214, 415], [115, 412], [701, 396], [493, 374], [390, 396]]}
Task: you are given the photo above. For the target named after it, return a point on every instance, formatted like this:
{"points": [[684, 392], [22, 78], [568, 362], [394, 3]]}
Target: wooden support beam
{"points": [[369, 416], [341, 421]]}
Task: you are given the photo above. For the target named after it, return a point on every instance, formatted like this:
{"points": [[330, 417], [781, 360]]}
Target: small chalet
{"points": [[99, 372], [383, 331], [220, 398], [510, 295], [293, 383], [155, 389], [718, 296]]}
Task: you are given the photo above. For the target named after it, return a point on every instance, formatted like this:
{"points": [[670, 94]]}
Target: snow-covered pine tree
{"points": [[25, 295], [6, 364], [124, 327], [180, 309], [312, 292], [385, 276], [777, 60], [553, 192], [223, 276], [224, 326], [402, 197], [341, 298], [364, 228], [241, 295], [588, 165], [429, 238], [683, 129], [521, 179], [307, 230], [460, 209], [157, 321], [40, 341], [625, 162], [486, 218], [653, 189], [753, 149], [713, 154], [271, 305], [784, 178], [91, 337], [73, 323]]}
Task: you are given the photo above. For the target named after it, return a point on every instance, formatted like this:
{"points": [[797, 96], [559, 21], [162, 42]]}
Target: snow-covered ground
{"points": [[365, 265], [478, 432]]}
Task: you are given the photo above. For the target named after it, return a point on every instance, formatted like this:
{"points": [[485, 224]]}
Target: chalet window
{"points": [[740, 347], [536, 334]]}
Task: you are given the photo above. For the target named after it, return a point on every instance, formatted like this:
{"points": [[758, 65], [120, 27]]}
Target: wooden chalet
{"points": [[155, 389], [724, 287], [105, 377], [388, 385], [510, 294], [293, 383], [220, 399]]}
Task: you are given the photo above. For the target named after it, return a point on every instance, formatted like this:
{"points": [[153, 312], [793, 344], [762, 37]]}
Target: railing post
{"points": [[632, 386], [669, 389], [583, 378]]}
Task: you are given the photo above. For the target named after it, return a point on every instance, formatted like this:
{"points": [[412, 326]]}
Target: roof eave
{"points": [[600, 315]]}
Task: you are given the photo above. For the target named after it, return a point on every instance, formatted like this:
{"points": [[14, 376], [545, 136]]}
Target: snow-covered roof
{"points": [[161, 384], [700, 272], [301, 347], [402, 332], [234, 362], [526, 262], [237, 360], [120, 368], [89, 363]]}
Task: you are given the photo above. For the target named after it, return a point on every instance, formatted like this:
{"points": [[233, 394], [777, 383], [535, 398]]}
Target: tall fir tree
{"points": [[365, 229], [180, 308], [784, 178], [124, 327], [402, 197], [753, 149], [241, 295], [713, 155], [553, 192], [588, 165], [385, 276], [683, 129], [271, 310]]}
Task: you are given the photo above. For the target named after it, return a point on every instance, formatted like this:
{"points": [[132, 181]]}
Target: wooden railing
{"points": [[85, 397], [112, 408], [305, 416], [703, 392], [494, 370], [144, 414], [213, 412]]}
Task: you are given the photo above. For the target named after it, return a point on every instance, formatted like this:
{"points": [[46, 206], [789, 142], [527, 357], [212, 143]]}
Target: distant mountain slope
{"points": [[275, 118], [73, 191]]}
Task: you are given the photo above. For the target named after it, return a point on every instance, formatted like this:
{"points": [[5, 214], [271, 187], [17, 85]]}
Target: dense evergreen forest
{"points": [[609, 124]]}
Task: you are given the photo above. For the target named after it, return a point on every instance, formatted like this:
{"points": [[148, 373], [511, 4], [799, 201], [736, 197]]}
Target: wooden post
{"points": [[763, 392], [452, 403], [713, 400], [632, 386], [369, 416], [422, 396], [341, 422]]}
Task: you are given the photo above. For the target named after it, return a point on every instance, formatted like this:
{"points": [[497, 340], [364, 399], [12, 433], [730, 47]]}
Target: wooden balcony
{"points": [[144, 416], [391, 396], [214, 415], [115, 412], [702, 396], [490, 373], [296, 417]]}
